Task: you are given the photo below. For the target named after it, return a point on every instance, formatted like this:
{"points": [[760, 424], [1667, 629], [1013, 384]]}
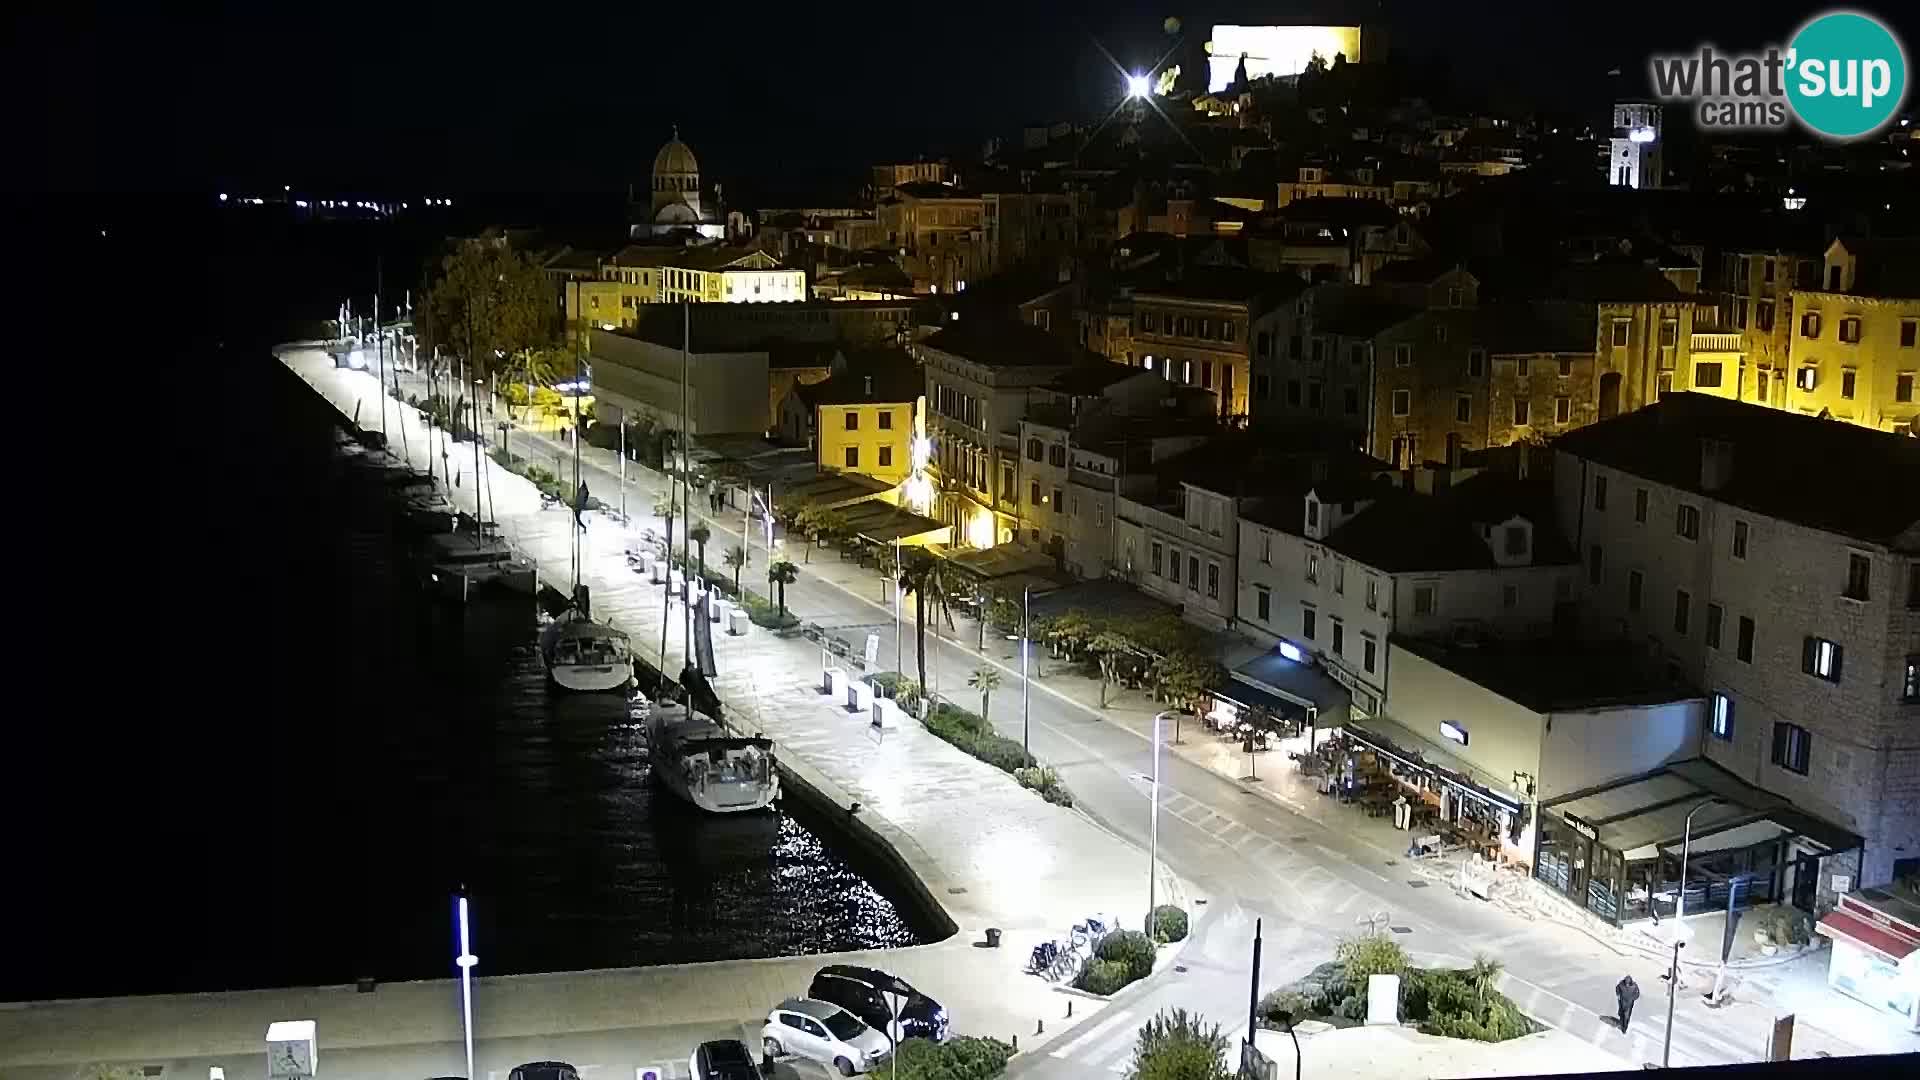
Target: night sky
{"points": [[558, 97]]}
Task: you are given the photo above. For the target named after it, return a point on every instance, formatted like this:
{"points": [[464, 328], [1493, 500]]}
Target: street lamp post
{"points": [[899, 649], [1153, 827], [1026, 681], [1679, 905], [466, 960]]}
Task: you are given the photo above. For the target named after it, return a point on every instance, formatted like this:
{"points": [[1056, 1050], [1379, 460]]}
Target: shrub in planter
{"points": [[1367, 955], [1002, 753], [965, 1057], [1286, 1000], [1103, 977], [1169, 923], [1129, 947], [1353, 1007]]}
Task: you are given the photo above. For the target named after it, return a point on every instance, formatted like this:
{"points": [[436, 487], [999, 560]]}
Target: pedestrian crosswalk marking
{"points": [[1094, 1032]]}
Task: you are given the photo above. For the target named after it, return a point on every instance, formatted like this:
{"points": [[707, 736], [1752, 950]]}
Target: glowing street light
{"points": [[466, 960], [1138, 87]]}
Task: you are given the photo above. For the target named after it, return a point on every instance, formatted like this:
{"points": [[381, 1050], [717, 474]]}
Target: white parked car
{"points": [[823, 1032]]}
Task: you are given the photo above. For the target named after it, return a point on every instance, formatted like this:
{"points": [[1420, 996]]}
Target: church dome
{"points": [[675, 159]]}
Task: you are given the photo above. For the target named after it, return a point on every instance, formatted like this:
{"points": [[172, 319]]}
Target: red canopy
{"points": [[1842, 924]]}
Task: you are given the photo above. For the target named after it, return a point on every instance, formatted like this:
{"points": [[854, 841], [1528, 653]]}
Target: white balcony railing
{"points": [[1716, 343]]}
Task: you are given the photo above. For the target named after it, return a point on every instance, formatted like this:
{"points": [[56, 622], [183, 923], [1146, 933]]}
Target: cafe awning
{"points": [[1246, 695], [1303, 685], [1889, 946], [1411, 751], [1643, 816]]}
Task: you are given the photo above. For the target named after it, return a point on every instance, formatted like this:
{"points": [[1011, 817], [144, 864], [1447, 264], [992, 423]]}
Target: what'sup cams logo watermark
{"points": [[1843, 76]]}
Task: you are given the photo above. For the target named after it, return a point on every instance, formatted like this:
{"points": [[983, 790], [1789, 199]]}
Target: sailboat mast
{"points": [[686, 474], [579, 504]]}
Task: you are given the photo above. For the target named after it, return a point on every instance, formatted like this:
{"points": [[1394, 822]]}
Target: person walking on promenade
{"points": [[1626, 992]]}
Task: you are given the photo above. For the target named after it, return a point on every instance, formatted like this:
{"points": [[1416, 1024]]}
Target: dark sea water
{"points": [[297, 761]]}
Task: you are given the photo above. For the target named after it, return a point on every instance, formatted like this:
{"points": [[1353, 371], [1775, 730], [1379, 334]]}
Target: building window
{"points": [[1369, 649], [1903, 387], [1722, 718], [1593, 565], [1562, 409], [1706, 373], [1686, 522], [1339, 577], [853, 457], [1099, 515], [1739, 539], [1402, 402], [886, 457], [1636, 582], [1306, 623], [853, 420], [1339, 638], [886, 419], [1763, 315], [1313, 557], [1847, 380], [1599, 493], [1743, 644], [1509, 596], [1403, 356], [1850, 330], [1807, 378], [1262, 603], [1622, 332], [1266, 548], [1373, 592], [1523, 366], [1476, 363], [1519, 411], [1910, 684], [1669, 333], [1715, 613], [1462, 409], [1640, 505], [1057, 455], [1033, 492], [1213, 581], [1059, 498], [1790, 746], [1821, 658], [1263, 387], [1193, 573], [1035, 452], [1810, 325], [1566, 367], [1153, 559], [1682, 612], [1424, 599], [1516, 540], [1859, 576]]}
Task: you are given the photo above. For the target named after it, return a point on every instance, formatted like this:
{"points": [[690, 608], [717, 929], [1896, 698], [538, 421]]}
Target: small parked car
{"points": [[543, 1070], [823, 1032], [723, 1059], [876, 997]]}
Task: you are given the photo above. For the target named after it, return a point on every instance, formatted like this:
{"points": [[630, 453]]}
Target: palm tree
{"points": [[1107, 647], [700, 534], [665, 508], [1484, 973], [783, 574], [985, 680], [916, 574], [736, 557]]}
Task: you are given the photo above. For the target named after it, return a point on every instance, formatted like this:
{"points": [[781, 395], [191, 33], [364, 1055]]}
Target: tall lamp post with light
{"points": [[1153, 828], [466, 961], [1679, 906]]}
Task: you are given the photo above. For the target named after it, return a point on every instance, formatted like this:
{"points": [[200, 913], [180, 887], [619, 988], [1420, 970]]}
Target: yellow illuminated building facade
{"points": [[870, 438], [641, 274]]}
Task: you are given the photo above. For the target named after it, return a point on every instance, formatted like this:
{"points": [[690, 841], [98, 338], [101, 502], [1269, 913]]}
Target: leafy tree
{"points": [[488, 302], [829, 524], [1484, 975], [985, 680], [1178, 1045], [1108, 647], [735, 558], [666, 508], [783, 574], [1071, 632]]}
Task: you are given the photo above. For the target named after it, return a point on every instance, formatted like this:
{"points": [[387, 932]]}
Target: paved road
{"points": [[1244, 854]]}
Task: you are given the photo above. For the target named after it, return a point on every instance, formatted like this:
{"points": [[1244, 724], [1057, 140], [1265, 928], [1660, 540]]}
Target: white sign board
{"points": [[1383, 999], [1842, 882], [873, 649]]}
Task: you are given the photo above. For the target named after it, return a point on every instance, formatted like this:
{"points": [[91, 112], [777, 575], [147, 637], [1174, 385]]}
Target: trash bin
{"points": [[993, 937]]}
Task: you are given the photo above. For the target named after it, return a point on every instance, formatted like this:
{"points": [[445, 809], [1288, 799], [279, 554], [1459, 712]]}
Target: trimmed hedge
{"points": [[964, 1057], [1046, 781], [1129, 947], [1169, 923], [975, 736], [1103, 977]]}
